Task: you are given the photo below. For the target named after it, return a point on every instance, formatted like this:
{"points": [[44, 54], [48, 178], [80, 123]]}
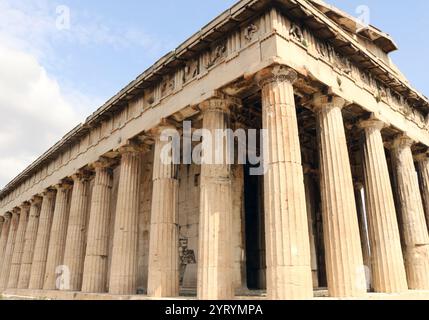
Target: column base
{"points": [[189, 295]]}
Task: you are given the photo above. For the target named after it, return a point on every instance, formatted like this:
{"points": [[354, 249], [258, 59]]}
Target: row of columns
{"points": [[58, 232]]}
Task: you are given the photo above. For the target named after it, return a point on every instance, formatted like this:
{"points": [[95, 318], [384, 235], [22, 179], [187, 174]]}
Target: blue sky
{"points": [[67, 74]]}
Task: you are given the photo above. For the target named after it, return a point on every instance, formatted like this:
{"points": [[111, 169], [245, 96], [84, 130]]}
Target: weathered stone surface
{"points": [[163, 277], [288, 257], [215, 257], [344, 262], [123, 273], [19, 247], [41, 246], [123, 232], [29, 243], [97, 249], [57, 240], [415, 232], [8, 253], [387, 267], [74, 253]]}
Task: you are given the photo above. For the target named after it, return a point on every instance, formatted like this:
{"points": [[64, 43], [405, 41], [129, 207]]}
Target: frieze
{"points": [[216, 54], [250, 32], [343, 65], [191, 70]]}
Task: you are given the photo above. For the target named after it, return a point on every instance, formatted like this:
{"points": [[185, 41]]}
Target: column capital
{"points": [[81, 175], [321, 101], [64, 185], [372, 124], [103, 163], [25, 206], [133, 148], [162, 126], [16, 211], [402, 141], [2, 219], [277, 73], [7, 216], [50, 192], [222, 103], [36, 200]]}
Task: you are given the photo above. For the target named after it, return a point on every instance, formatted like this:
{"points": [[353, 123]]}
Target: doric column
{"points": [[29, 243], [58, 236], [344, 262], [4, 236], [19, 247], [74, 252], [423, 171], [97, 249], [388, 271], [124, 264], [286, 224], [215, 262], [42, 241], [163, 277], [2, 219], [415, 232], [7, 258]]}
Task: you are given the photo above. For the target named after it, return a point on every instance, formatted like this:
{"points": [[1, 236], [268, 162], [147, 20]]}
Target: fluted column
{"points": [[344, 262], [124, 264], [423, 171], [215, 259], [58, 236], [288, 259], [19, 247], [74, 252], [97, 249], [7, 258], [42, 241], [415, 232], [163, 277], [4, 236], [29, 243], [388, 270]]}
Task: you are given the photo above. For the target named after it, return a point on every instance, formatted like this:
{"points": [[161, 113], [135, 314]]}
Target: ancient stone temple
{"points": [[341, 210]]}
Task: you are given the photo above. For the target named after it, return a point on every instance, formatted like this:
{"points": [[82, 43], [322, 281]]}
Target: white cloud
{"points": [[33, 111]]}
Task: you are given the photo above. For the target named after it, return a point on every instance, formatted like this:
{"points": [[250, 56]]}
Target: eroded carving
{"points": [[216, 55], [250, 32], [191, 71]]}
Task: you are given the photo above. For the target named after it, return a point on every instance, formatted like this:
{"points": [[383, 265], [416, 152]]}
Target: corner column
{"points": [[97, 249], [42, 241], [58, 236], [415, 232], [29, 243], [289, 274], [215, 258], [163, 278], [124, 264], [74, 253], [19, 247], [388, 270], [344, 262]]}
